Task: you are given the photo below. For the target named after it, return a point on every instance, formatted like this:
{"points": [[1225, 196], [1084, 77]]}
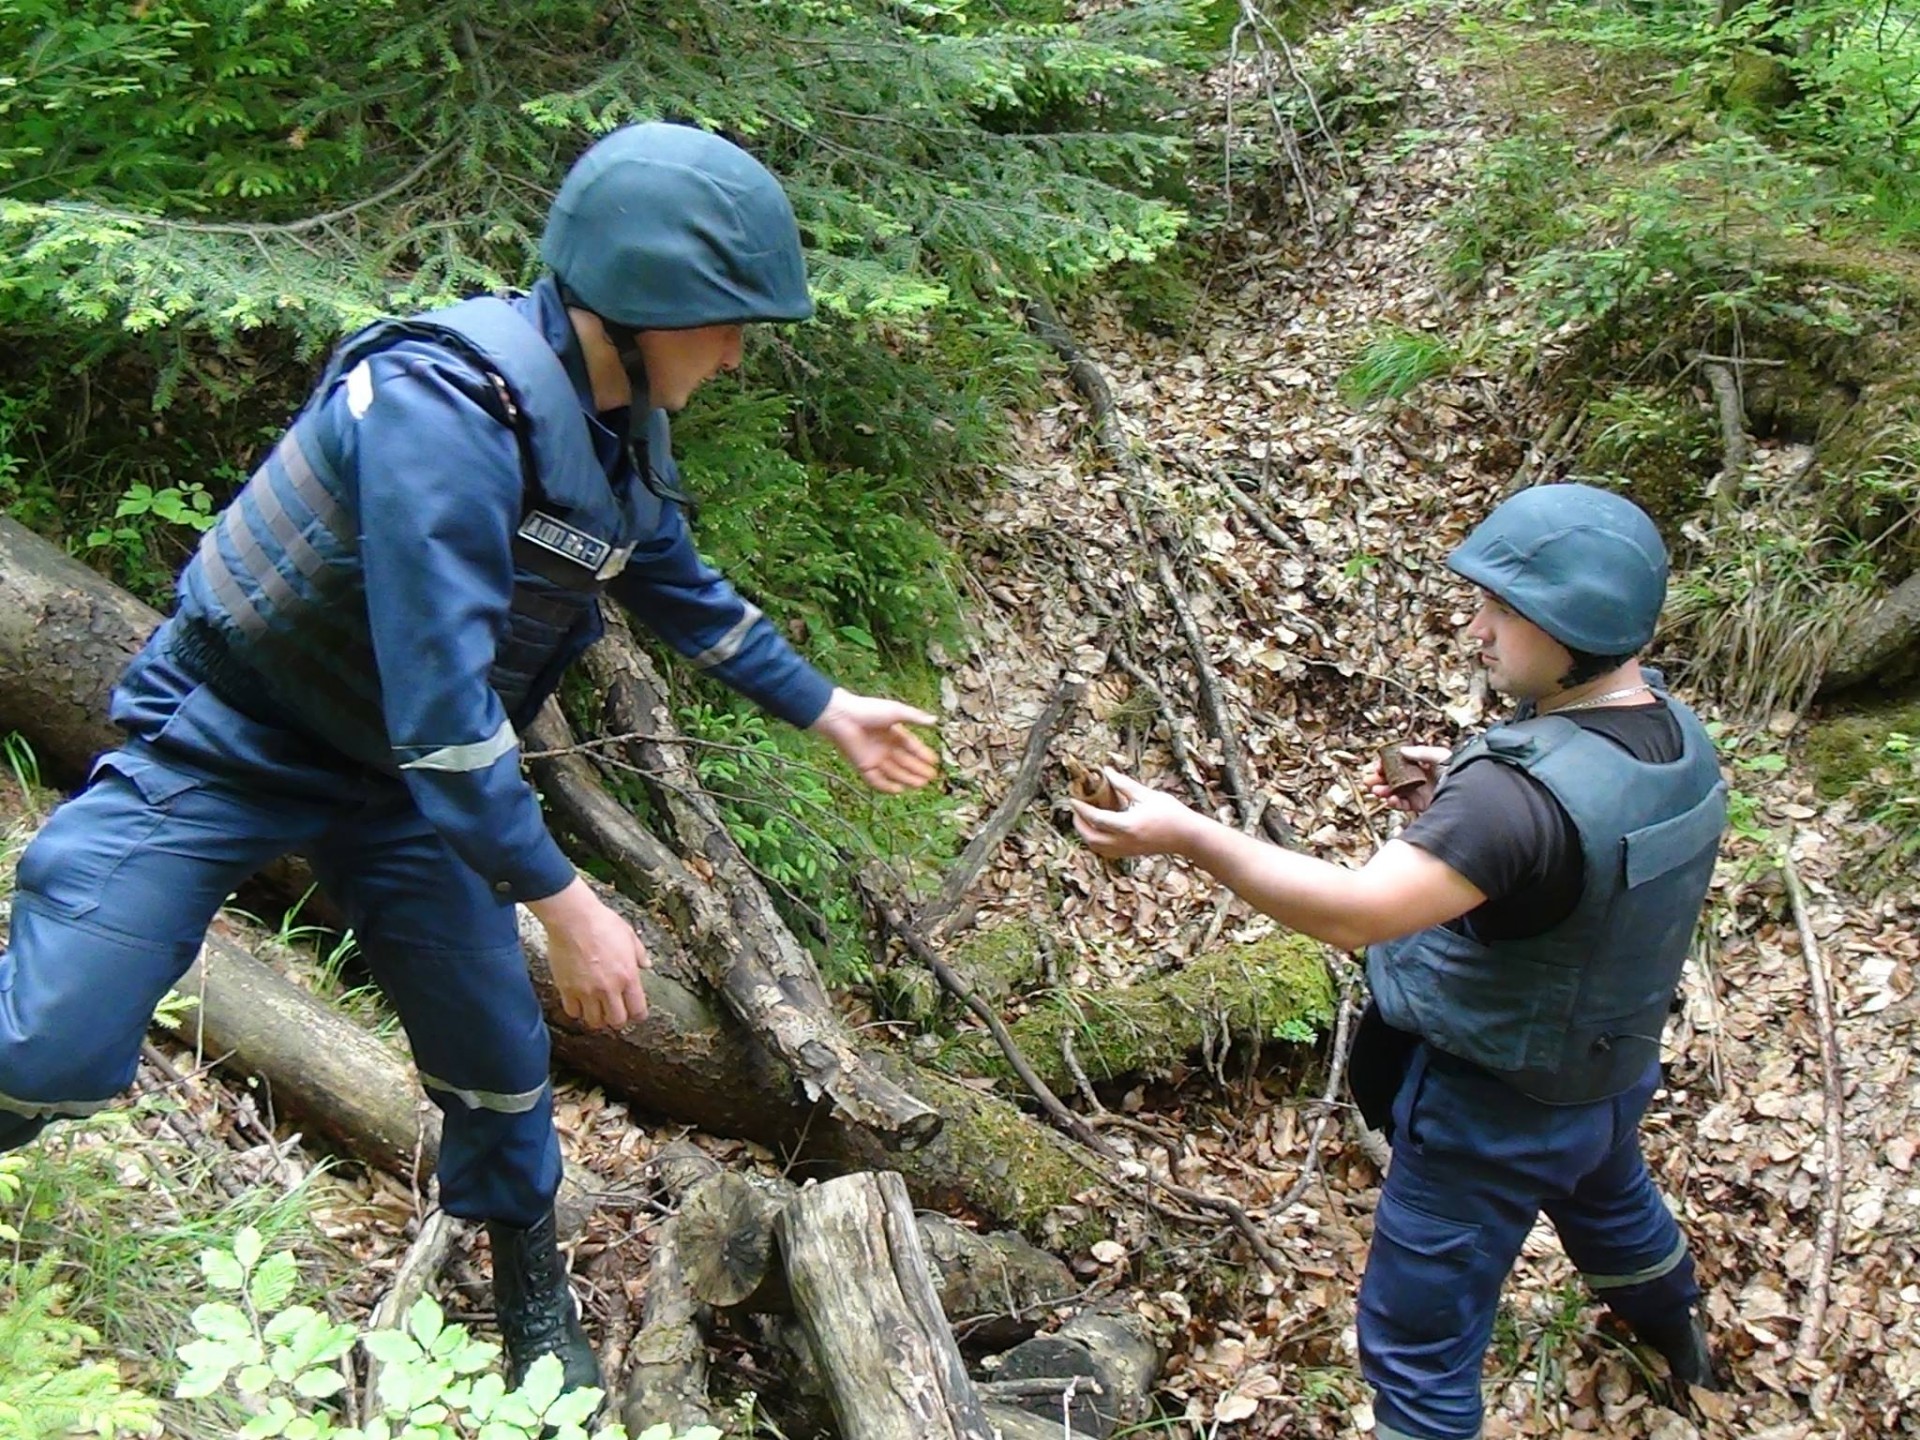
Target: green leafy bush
{"points": [[436, 1382]]}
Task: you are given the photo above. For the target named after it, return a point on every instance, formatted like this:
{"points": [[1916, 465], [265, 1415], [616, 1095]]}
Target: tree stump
{"points": [[726, 1231], [1113, 1351], [859, 1282]]}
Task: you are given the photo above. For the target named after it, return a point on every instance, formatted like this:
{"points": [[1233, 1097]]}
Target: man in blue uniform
{"points": [[398, 587], [1525, 938]]}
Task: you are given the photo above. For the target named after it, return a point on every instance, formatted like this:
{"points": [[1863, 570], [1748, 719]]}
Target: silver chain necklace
{"points": [[1596, 700]]}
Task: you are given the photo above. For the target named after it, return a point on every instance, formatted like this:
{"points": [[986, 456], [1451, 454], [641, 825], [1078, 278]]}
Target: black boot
{"points": [[535, 1309], [1684, 1344]]}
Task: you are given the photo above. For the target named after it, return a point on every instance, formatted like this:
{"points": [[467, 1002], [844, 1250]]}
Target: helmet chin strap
{"points": [[626, 344]]}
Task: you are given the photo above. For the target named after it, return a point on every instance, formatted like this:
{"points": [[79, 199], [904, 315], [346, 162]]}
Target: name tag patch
{"points": [[589, 552]]}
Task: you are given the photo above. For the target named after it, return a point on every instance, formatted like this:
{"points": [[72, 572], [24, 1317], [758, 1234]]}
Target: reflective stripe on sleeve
{"points": [[233, 599], [476, 756], [312, 491], [728, 645]]}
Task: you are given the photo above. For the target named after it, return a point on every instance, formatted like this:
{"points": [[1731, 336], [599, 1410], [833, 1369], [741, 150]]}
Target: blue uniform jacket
{"points": [[434, 480]]}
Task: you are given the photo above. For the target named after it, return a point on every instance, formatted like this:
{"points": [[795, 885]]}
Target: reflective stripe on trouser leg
{"points": [[1472, 1162], [1618, 1230], [448, 957], [113, 898]]}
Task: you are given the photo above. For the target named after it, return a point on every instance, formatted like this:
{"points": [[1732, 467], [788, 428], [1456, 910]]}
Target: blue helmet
{"points": [[665, 227], [1585, 565]]}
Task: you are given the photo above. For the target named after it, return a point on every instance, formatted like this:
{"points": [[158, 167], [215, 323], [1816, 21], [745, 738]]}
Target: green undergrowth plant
{"points": [[105, 1224], [286, 1361], [48, 1386], [1393, 363], [1764, 599], [1871, 757], [808, 827]]}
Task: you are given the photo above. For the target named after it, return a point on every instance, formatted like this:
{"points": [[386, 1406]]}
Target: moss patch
{"points": [[1276, 989], [1018, 1173], [1847, 751], [993, 963]]}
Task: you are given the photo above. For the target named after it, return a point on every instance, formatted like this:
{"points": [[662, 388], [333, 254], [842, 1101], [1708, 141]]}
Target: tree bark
{"points": [[728, 927], [65, 636], [860, 1287]]}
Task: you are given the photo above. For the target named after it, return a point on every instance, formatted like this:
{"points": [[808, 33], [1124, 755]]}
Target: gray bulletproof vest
{"points": [[1575, 1014]]}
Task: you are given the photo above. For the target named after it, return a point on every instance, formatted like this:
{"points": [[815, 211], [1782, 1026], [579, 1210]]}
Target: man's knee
{"points": [[75, 1000]]}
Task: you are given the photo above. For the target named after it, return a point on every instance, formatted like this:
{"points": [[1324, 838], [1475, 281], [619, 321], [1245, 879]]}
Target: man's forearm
{"points": [[1305, 894]]}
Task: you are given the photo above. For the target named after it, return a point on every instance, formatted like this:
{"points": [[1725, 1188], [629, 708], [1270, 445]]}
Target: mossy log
{"points": [[1275, 989]]}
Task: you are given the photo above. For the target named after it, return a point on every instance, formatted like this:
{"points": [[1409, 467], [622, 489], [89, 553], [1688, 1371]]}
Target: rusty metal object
{"points": [[1091, 787], [1401, 775]]}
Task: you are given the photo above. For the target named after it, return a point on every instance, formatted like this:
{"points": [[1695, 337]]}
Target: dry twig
{"points": [[1833, 1162], [1026, 781]]}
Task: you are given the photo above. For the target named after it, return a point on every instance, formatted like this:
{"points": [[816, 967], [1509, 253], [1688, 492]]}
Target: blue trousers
{"points": [[1474, 1163], [115, 894]]}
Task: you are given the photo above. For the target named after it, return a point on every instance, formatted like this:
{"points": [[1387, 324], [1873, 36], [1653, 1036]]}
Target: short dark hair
{"points": [[1588, 666]]}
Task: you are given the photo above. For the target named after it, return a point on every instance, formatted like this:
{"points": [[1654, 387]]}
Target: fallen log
{"points": [[728, 928], [1113, 1353], [1278, 988], [667, 1375], [315, 1063], [65, 636], [995, 1290], [860, 1287]]}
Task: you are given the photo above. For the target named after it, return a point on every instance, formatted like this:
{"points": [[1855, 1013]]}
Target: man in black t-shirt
{"points": [[1525, 936]]}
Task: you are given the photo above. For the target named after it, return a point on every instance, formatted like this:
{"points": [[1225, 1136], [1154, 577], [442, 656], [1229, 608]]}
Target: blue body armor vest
{"points": [[1575, 1014], [273, 607]]}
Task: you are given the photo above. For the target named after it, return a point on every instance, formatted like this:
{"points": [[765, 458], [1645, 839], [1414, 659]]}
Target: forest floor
{"points": [[1345, 637], [1338, 636]]}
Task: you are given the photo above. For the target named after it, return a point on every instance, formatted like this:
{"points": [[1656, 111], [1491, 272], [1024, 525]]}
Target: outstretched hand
{"points": [[1153, 823], [872, 733]]}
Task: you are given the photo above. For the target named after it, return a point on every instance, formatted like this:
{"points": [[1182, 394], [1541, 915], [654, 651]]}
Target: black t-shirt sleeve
{"points": [[1503, 830], [1493, 824], [1499, 828]]}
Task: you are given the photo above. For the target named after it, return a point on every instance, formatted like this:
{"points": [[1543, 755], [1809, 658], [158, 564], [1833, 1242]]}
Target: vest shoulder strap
{"points": [[528, 379]]}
